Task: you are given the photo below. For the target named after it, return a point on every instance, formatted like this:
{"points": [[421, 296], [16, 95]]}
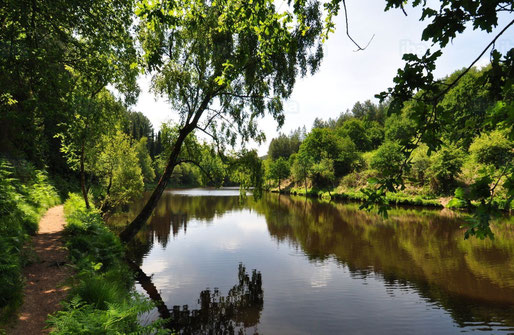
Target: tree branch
{"points": [[359, 48], [198, 166], [242, 96], [475, 61]]}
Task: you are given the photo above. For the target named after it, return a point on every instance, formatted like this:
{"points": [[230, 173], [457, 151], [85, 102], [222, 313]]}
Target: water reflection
{"points": [[234, 313], [420, 251], [413, 245]]}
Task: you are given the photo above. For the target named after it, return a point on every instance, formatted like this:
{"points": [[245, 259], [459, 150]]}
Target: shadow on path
{"points": [[45, 277]]}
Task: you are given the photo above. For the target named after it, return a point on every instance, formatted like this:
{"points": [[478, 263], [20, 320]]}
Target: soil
{"points": [[45, 285]]}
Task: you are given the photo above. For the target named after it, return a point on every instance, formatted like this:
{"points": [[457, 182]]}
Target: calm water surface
{"points": [[320, 268]]}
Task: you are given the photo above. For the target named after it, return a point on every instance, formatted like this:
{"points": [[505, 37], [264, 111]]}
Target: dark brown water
{"points": [[321, 268]]}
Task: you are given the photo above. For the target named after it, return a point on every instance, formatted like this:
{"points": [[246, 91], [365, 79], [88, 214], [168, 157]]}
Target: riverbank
{"points": [[102, 297], [355, 195]]}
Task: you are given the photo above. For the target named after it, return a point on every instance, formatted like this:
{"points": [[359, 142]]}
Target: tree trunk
{"points": [[131, 230], [305, 181], [146, 283], [105, 207], [83, 178]]}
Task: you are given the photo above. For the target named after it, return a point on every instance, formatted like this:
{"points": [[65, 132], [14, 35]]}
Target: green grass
{"points": [[353, 195], [102, 299]]}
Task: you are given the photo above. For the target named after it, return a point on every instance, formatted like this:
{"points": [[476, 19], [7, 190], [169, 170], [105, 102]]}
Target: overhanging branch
{"points": [[190, 161], [359, 48]]}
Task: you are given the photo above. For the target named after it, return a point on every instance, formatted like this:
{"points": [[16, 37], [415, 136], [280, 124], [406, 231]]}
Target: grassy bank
{"points": [[25, 194], [102, 299], [355, 195]]}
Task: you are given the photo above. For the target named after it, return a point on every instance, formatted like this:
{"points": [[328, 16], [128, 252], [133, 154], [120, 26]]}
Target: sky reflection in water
{"points": [[328, 268]]}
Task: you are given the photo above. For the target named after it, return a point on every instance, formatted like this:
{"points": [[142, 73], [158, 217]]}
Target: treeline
{"points": [[343, 155]]}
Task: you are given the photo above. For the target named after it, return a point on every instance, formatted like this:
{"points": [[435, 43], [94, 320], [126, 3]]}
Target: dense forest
{"points": [[69, 132], [343, 155]]}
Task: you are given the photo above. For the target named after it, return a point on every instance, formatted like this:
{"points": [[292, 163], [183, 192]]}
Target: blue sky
{"points": [[345, 76]]}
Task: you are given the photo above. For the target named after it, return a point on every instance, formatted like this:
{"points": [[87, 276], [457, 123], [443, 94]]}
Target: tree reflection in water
{"points": [[422, 250], [217, 314]]}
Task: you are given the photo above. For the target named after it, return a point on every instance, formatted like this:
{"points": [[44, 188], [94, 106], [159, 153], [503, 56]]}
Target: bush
{"points": [[459, 199], [79, 317], [420, 163], [388, 159], [351, 180], [97, 291], [492, 149], [446, 165]]}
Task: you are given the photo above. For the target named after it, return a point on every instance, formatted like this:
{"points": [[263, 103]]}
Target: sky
{"points": [[346, 76]]}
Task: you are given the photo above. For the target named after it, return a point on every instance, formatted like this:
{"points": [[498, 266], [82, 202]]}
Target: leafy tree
{"points": [[145, 161], [279, 170], [246, 168], [185, 175], [213, 164], [375, 134], [302, 168], [92, 120], [51, 54], [493, 153], [284, 146], [321, 142], [118, 168], [400, 128], [388, 159], [368, 111], [416, 81], [493, 149], [323, 172], [465, 107], [420, 164], [240, 57], [355, 129], [324, 143]]}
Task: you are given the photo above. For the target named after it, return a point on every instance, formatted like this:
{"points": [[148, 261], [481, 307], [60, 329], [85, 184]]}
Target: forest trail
{"points": [[45, 277]]}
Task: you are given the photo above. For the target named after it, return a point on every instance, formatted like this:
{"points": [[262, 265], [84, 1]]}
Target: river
{"points": [[290, 265]]}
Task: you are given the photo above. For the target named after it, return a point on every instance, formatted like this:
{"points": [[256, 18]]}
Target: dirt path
{"points": [[45, 277]]}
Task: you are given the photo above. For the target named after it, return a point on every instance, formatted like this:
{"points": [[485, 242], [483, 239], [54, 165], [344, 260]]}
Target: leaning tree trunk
{"points": [[131, 230], [83, 178]]}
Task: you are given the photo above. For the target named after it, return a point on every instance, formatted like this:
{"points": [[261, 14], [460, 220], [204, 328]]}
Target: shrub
{"points": [[351, 180], [89, 241], [420, 164], [388, 159], [492, 149], [446, 164], [79, 317], [97, 291]]}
